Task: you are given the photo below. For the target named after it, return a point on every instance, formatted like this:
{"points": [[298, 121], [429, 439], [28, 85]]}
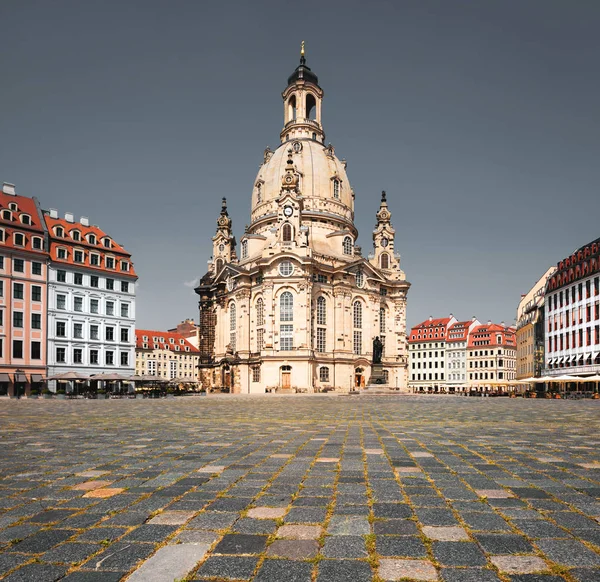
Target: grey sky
{"points": [[480, 119]]}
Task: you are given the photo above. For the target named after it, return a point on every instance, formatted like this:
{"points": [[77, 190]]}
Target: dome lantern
{"points": [[302, 104]]}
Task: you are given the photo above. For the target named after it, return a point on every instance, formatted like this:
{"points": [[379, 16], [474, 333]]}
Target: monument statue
{"points": [[377, 350]]}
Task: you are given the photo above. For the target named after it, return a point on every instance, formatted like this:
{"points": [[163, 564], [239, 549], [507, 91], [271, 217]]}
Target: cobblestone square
{"points": [[320, 487]]}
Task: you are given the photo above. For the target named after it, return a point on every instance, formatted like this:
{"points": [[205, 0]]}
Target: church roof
{"points": [[303, 72]]}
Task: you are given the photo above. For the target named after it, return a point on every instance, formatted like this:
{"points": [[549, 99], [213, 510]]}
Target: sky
{"points": [[479, 119]]}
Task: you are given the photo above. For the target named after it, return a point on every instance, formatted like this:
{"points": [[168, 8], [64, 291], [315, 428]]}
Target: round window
{"points": [[286, 268]]}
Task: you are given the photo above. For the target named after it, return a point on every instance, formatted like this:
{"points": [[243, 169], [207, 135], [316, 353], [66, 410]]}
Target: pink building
{"points": [[23, 294]]}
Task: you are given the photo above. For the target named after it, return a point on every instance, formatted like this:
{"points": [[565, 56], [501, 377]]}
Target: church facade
{"points": [[297, 307]]}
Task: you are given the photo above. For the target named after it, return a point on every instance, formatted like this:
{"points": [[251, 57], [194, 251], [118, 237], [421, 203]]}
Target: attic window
{"points": [[106, 243], [92, 239], [25, 219], [75, 235], [171, 340], [7, 215], [336, 188], [181, 341], [13, 206], [145, 338], [58, 231]]}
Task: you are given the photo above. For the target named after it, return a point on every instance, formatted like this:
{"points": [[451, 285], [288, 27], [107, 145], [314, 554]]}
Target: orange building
{"points": [[23, 294], [492, 357]]}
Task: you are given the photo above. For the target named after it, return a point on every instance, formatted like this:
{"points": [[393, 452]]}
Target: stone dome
{"points": [[323, 182]]}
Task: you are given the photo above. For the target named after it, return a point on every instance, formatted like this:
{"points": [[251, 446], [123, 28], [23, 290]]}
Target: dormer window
{"points": [[78, 256], [92, 239], [181, 341], [107, 243], [336, 188], [59, 231], [61, 254], [19, 239], [124, 266], [94, 259], [187, 349], [110, 263], [75, 235], [145, 338], [36, 243], [347, 245], [244, 249], [176, 348], [26, 219], [7, 215], [171, 340], [13, 206]]}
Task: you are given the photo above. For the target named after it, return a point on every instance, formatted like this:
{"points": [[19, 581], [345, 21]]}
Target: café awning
{"points": [[20, 378], [4, 377], [36, 378]]}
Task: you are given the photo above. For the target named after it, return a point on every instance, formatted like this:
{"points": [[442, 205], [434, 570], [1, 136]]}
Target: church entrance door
{"points": [[359, 379], [286, 377]]}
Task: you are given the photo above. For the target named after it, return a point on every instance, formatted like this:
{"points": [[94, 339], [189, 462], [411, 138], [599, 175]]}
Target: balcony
{"points": [[300, 121]]}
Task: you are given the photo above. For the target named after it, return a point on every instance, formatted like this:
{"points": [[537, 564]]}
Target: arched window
{"points": [[321, 311], [259, 193], [382, 320], [324, 374], [232, 326], [286, 232], [260, 311], [357, 336], [360, 279], [357, 312], [219, 265], [336, 188], [286, 307], [311, 107], [347, 245], [292, 109], [244, 249], [385, 261], [59, 231]]}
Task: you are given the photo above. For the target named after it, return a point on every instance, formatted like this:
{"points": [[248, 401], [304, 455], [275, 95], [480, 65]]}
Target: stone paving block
{"points": [[170, 563], [299, 532], [267, 512], [422, 570], [504, 544], [568, 552], [241, 544], [70, 553], [445, 534], [172, 517], [104, 493], [279, 570], [42, 541], [348, 525], [395, 527], [213, 520], [293, 549], [85, 576], [338, 570], [37, 573], [10, 561], [468, 575], [519, 564], [227, 568], [400, 546], [458, 554], [585, 574], [345, 547]]}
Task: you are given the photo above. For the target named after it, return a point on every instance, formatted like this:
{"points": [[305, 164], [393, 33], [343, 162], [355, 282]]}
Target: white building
{"points": [[91, 300], [300, 306], [572, 309], [427, 354], [457, 338]]}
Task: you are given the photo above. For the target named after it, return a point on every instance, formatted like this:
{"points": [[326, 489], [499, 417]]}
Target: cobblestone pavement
{"points": [[302, 488]]}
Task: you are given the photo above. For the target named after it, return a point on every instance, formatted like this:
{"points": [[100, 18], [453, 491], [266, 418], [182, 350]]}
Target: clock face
{"points": [[384, 242], [288, 211]]}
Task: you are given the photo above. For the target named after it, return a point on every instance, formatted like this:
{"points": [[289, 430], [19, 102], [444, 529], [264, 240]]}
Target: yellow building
{"points": [[530, 330], [166, 355]]}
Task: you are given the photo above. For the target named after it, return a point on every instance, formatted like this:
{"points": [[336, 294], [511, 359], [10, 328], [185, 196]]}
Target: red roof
{"points": [[67, 242], [26, 209], [430, 330], [458, 331], [163, 341], [486, 336]]}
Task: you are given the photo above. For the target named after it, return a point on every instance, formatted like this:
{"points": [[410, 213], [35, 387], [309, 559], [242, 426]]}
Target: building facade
{"points": [[457, 339], [166, 355], [91, 300], [299, 307], [189, 329], [23, 295], [531, 329], [427, 354], [492, 357], [572, 307]]}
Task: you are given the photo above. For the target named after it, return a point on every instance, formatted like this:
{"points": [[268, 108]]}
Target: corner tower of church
{"points": [[299, 308]]}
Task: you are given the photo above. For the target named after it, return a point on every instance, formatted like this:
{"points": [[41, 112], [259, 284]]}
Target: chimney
{"points": [[69, 217], [85, 221], [502, 324], [473, 318], [489, 322], [9, 189], [53, 213], [430, 318]]}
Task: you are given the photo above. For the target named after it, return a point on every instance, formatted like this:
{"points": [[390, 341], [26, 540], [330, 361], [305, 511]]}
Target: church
{"points": [[297, 307]]}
